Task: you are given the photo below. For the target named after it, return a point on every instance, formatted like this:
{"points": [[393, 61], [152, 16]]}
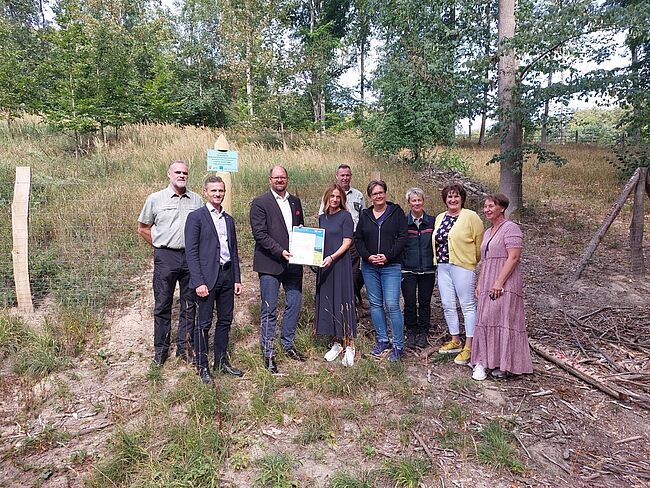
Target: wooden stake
{"points": [[222, 144], [595, 240], [20, 230], [636, 226]]}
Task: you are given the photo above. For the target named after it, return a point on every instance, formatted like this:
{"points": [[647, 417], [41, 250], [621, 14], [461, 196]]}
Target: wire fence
{"points": [[82, 254]]}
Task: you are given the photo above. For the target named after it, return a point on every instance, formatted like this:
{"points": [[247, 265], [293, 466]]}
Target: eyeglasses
{"points": [[181, 173], [279, 178], [378, 194]]}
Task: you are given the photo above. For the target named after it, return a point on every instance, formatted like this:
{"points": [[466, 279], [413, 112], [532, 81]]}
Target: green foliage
{"points": [[275, 471], [43, 441], [347, 480], [318, 425], [40, 355], [74, 329], [14, 334], [630, 155], [406, 472], [452, 161], [192, 455], [153, 373], [596, 125], [496, 448], [127, 450]]}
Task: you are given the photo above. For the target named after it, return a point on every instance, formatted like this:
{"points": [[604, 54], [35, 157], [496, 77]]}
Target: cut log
{"points": [[636, 227], [595, 240]]}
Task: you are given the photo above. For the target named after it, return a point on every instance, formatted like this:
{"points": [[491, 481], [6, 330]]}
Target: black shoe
{"points": [[185, 357], [292, 353], [421, 340], [269, 363], [206, 377], [159, 359], [225, 368], [410, 340]]}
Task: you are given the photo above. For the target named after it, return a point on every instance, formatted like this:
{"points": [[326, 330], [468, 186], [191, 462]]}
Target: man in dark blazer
{"points": [[272, 217], [213, 260]]}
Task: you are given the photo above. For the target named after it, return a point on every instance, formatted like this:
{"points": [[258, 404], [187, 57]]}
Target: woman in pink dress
{"points": [[500, 338]]}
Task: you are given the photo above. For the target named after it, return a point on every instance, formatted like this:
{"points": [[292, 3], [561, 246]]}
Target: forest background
{"points": [[91, 67]]}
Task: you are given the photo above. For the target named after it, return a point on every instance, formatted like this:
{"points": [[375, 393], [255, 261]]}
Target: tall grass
{"points": [[84, 209], [587, 173]]}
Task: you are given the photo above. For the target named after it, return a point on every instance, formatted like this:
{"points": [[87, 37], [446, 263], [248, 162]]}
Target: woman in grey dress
{"points": [[335, 311]]}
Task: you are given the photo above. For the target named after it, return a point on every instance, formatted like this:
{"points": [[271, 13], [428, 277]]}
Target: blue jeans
{"points": [[383, 285], [291, 281]]}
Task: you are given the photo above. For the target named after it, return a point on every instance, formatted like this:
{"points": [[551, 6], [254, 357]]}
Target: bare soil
{"points": [[567, 432]]}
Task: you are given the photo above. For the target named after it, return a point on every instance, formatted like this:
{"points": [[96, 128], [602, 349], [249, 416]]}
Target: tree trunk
{"points": [[544, 135], [249, 79], [321, 111], [510, 174], [486, 87], [469, 130], [362, 70], [481, 137], [636, 227]]}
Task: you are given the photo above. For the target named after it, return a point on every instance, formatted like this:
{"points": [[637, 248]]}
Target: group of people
{"points": [[387, 249]]}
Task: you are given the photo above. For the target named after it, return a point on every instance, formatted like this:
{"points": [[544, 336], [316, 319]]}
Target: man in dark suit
{"points": [[272, 217], [213, 260]]}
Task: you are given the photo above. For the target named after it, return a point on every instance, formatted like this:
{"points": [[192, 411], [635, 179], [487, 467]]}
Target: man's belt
{"points": [[170, 248]]}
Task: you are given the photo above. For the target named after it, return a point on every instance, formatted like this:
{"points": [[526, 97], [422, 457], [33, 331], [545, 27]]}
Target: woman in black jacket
{"points": [[380, 238], [418, 271]]}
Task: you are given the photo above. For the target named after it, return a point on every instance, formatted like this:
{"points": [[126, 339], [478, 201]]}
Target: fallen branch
{"points": [[128, 399], [424, 446], [587, 315], [629, 439], [522, 446], [563, 468], [90, 430], [564, 364]]}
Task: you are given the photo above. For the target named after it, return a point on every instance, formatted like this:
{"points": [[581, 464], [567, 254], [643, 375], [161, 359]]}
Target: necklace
{"points": [[494, 232]]}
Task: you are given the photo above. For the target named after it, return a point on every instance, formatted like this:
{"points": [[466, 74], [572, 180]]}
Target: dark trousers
{"points": [[417, 290], [357, 277], [221, 297], [291, 281], [169, 268]]}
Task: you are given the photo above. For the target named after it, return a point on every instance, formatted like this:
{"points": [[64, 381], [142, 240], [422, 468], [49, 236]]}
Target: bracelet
{"points": [[330, 256]]}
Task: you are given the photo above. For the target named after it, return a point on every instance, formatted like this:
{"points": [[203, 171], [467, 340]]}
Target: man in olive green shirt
{"points": [[161, 224]]}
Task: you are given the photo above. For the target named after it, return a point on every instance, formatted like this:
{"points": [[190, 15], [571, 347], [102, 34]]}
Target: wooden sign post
{"points": [[20, 232]]}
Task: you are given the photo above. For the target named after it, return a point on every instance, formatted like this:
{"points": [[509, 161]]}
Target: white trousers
{"points": [[454, 281]]}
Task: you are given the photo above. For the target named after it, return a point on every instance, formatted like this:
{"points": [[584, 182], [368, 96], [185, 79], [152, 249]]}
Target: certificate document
{"points": [[306, 246]]}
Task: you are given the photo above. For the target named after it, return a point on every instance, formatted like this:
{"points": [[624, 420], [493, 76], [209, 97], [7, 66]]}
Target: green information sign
{"points": [[224, 161]]}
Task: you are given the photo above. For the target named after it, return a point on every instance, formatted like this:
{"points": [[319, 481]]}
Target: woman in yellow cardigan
{"points": [[457, 237]]}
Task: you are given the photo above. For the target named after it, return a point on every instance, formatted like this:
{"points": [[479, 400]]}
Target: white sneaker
{"points": [[333, 353], [348, 357], [479, 373]]}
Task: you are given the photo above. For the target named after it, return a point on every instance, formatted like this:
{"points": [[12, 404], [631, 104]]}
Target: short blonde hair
{"points": [[415, 191]]}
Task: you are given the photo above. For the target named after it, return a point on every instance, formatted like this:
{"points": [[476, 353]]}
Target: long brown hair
{"points": [[328, 194]]}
